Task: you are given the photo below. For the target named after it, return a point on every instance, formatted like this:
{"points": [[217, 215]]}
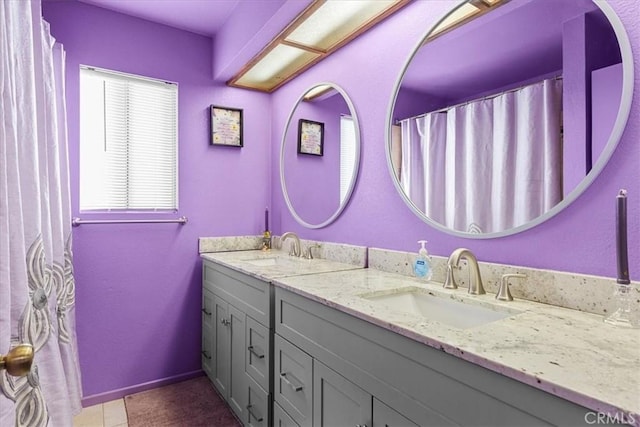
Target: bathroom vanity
{"points": [[295, 343], [237, 325]]}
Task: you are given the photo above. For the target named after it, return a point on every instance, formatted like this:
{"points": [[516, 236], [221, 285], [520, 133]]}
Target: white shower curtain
{"points": [[487, 165], [528, 147], [468, 166], [423, 163], [36, 274]]}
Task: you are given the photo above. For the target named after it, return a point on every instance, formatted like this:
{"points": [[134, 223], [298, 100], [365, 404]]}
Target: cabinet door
{"points": [[221, 345], [337, 401], [237, 397], [208, 321], [384, 416]]}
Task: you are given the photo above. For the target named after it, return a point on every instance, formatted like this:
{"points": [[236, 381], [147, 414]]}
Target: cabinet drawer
{"points": [[293, 387], [258, 355], [281, 418], [247, 293], [384, 416], [207, 333], [257, 413]]}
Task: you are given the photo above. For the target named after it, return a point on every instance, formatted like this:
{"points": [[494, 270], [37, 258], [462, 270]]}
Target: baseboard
{"points": [[122, 392]]}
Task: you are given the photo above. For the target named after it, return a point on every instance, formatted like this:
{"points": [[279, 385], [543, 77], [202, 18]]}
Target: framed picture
{"points": [[226, 126], [310, 137]]}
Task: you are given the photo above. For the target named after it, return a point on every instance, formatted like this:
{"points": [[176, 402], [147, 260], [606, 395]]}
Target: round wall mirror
{"points": [[506, 111], [320, 155]]}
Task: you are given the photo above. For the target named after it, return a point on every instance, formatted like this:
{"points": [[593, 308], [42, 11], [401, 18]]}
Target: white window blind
{"points": [[128, 142], [347, 154]]}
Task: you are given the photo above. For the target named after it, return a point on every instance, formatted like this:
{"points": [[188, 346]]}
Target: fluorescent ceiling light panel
{"points": [[334, 21], [278, 65], [323, 27], [473, 9], [462, 13], [317, 91]]}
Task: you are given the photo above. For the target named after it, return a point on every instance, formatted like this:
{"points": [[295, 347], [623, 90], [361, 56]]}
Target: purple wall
{"points": [[411, 103], [588, 44], [606, 90], [579, 239], [313, 182], [519, 40], [138, 287]]}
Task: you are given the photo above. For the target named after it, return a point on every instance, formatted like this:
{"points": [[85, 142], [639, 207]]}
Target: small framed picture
{"points": [[310, 137], [226, 126]]}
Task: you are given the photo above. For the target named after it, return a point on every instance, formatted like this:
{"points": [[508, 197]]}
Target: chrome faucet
{"points": [[295, 247], [309, 254], [475, 281]]}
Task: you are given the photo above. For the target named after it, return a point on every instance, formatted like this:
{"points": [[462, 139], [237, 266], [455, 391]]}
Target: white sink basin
{"points": [[263, 262], [270, 261], [444, 309]]}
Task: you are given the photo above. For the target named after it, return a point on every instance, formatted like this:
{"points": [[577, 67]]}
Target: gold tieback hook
{"points": [[18, 361]]}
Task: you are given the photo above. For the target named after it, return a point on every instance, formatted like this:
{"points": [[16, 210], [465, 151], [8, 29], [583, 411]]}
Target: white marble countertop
{"points": [[271, 264], [568, 353]]}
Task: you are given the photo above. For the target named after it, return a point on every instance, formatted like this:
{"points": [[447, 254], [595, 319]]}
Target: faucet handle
{"points": [[308, 253], [504, 294]]}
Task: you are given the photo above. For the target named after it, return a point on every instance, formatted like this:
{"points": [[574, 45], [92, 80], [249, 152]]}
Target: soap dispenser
{"points": [[422, 267]]}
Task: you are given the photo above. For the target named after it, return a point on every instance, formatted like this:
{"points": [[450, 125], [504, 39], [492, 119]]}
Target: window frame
{"points": [[129, 210]]}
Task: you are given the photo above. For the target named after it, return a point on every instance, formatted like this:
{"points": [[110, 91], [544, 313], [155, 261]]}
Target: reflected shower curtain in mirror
{"points": [[487, 165], [36, 274], [423, 163]]}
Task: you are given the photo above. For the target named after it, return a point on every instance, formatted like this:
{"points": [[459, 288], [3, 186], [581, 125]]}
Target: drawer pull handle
{"points": [[208, 313], [296, 387], [253, 351], [205, 354], [225, 322], [251, 414], [361, 425]]}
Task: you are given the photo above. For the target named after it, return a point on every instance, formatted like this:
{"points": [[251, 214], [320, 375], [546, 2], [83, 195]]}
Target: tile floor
{"points": [[108, 414]]}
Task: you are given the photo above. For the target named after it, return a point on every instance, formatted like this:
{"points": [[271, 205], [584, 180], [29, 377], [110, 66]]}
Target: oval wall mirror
{"points": [[506, 111], [320, 155]]}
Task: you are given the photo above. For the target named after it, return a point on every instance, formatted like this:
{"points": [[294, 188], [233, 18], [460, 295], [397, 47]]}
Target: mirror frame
{"points": [[356, 167], [614, 137]]}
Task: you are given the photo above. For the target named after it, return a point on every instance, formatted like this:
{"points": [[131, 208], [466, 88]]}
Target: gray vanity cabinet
{"points": [[384, 416], [229, 338], [337, 401], [293, 388], [360, 368], [237, 341], [258, 359], [258, 403], [281, 418], [208, 346]]}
